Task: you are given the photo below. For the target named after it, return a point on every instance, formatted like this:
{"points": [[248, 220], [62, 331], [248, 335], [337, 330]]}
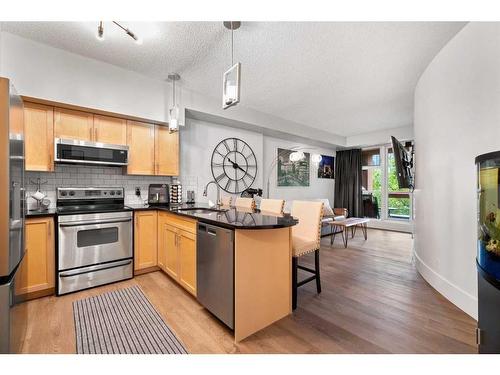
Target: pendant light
{"points": [[231, 77], [174, 112], [130, 33]]}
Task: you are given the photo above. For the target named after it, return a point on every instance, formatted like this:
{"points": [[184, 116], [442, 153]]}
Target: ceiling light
{"points": [[231, 78], [100, 32], [174, 120]]}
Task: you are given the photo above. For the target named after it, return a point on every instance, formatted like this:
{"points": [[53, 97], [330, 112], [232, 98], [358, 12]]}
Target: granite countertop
{"points": [[228, 217], [36, 213]]}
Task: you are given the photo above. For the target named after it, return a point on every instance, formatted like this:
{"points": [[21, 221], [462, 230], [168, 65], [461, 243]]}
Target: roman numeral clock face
{"points": [[234, 165]]}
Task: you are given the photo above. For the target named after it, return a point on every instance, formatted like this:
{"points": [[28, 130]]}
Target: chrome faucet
{"points": [[218, 191]]}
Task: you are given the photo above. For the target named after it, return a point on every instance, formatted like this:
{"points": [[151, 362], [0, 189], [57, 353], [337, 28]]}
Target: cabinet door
{"points": [[73, 124], [166, 151], [110, 130], [145, 239], [141, 143], [171, 251], [39, 137], [37, 270], [187, 261]]}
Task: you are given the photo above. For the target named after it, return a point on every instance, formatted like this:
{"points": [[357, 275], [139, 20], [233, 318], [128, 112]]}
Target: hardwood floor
{"points": [[373, 301]]}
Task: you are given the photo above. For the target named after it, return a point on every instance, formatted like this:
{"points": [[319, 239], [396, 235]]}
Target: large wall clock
{"points": [[234, 165]]}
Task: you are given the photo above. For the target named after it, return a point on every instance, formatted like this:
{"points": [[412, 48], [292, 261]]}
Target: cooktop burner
{"points": [[90, 200]]}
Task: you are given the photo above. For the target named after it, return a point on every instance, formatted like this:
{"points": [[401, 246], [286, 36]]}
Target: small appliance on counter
{"points": [[176, 193], [158, 194]]}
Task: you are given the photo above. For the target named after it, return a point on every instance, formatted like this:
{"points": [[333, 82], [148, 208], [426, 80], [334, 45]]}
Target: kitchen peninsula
{"points": [[261, 251]]}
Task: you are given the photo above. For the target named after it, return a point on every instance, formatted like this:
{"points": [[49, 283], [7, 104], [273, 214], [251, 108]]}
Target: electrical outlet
{"points": [[138, 191]]}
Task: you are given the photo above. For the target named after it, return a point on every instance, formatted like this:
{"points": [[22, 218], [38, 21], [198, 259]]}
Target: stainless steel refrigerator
{"points": [[12, 201]]}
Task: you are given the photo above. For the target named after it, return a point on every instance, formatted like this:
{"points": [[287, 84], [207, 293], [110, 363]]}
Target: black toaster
{"points": [[158, 194]]}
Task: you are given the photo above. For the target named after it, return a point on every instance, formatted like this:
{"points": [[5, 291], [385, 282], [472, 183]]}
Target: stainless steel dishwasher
{"points": [[215, 271]]}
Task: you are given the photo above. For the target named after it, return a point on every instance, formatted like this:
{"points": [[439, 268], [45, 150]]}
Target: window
{"points": [[398, 200], [382, 197]]}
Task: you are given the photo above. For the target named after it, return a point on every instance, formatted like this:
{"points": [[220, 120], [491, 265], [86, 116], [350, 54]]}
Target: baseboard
{"points": [[459, 297], [146, 270]]}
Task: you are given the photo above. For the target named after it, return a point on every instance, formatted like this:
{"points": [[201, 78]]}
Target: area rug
{"points": [[122, 322]]}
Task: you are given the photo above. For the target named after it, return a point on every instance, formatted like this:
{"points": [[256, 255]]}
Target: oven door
{"points": [[94, 238]]}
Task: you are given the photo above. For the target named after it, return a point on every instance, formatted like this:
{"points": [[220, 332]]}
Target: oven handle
{"points": [[94, 223], [76, 273]]}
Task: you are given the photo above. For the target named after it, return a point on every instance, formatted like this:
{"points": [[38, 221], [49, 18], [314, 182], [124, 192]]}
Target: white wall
{"points": [[199, 139], [380, 137], [50, 73], [457, 117], [318, 187]]}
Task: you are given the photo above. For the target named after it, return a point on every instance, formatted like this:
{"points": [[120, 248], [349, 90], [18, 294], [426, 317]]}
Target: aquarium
{"points": [[488, 247]]}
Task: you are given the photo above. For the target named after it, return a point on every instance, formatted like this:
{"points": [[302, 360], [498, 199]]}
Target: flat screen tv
{"points": [[404, 165]]}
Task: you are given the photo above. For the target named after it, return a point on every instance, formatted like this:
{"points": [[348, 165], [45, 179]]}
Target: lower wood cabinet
{"points": [[37, 270], [145, 239], [177, 249]]}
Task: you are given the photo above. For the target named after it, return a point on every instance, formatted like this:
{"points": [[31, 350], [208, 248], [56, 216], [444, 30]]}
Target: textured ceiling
{"points": [[346, 78]]}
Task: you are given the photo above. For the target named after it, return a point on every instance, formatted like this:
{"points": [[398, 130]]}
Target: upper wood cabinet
{"points": [[73, 124], [145, 239], [37, 270], [39, 137], [141, 143], [166, 151], [110, 130]]}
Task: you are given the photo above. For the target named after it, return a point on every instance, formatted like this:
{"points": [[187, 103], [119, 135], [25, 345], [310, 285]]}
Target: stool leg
{"points": [[294, 282], [316, 264]]}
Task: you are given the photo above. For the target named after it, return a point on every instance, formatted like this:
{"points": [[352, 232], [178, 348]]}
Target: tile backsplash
{"points": [[84, 176]]}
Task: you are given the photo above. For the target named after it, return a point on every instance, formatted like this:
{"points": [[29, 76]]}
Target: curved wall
{"points": [[457, 117]]}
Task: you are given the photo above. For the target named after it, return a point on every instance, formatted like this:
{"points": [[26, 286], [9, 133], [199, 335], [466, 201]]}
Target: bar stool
{"points": [[226, 200], [274, 206], [246, 203]]}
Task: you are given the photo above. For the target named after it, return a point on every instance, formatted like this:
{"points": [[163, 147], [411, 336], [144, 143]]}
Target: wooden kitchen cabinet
{"points": [[111, 130], [177, 249], [141, 143], [145, 239], [39, 137], [166, 152], [187, 260], [71, 124], [37, 270]]}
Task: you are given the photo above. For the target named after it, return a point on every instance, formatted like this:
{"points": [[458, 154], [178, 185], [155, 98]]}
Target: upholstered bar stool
{"points": [[273, 206], [246, 203], [306, 236]]}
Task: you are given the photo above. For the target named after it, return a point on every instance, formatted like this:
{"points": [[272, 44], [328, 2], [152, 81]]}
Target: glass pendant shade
{"points": [[173, 121], [296, 156], [316, 158]]}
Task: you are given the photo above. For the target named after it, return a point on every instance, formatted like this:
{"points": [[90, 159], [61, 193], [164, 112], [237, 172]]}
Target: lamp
{"points": [[316, 158], [231, 78], [130, 33], [174, 112]]}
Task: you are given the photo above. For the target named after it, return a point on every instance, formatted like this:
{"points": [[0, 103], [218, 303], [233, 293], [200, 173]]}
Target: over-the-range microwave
{"points": [[74, 151]]}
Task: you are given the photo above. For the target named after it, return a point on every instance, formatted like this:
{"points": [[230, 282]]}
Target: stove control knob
{"points": [[118, 192], [63, 193], [112, 192], [72, 193]]}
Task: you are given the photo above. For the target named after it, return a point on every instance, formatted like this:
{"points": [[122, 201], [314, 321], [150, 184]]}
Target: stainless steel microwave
{"points": [[74, 151]]}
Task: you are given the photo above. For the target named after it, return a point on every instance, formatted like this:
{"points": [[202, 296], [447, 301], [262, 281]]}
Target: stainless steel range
{"points": [[95, 243]]}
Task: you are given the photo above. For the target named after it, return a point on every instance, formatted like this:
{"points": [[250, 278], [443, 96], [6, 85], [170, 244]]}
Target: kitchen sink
{"points": [[200, 210]]}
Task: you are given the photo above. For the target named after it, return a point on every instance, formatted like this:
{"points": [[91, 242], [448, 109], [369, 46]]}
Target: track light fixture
{"points": [[130, 33]]}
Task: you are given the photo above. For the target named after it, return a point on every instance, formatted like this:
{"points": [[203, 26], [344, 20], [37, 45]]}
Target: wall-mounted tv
{"points": [[404, 165]]}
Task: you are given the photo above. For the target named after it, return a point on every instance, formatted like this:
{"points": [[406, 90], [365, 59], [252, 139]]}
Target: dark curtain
{"points": [[348, 182]]}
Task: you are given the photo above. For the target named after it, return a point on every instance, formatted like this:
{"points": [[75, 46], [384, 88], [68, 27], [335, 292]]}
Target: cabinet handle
{"points": [[90, 133], [95, 134], [50, 228]]}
